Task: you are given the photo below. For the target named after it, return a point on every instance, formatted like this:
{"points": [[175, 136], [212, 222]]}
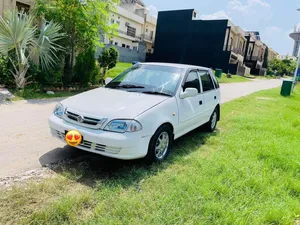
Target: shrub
{"points": [[52, 76], [6, 77], [85, 67], [107, 60]]}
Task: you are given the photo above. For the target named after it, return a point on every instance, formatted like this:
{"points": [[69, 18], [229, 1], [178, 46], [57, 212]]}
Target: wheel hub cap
{"points": [[214, 120], [162, 145]]}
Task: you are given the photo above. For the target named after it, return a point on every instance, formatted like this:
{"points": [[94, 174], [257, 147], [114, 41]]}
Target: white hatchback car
{"points": [[140, 112]]}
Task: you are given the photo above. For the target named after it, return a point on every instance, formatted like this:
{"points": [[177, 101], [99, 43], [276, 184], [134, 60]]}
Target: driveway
{"points": [[26, 143]]}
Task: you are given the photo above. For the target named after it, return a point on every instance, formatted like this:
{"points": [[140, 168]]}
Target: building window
{"points": [[127, 46], [135, 48], [149, 50], [195, 14], [116, 43], [131, 31], [123, 45], [21, 7], [112, 21], [118, 22], [118, 17], [147, 30], [151, 35], [111, 42]]}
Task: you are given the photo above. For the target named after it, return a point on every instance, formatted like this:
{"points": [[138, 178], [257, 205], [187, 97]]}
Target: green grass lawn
{"points": [[118, 69], [31, 94], [245, 173], [123, 66], [233, 79]]}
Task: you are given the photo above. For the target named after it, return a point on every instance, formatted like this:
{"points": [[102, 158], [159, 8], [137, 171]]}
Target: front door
{"points": [[190, 109]]}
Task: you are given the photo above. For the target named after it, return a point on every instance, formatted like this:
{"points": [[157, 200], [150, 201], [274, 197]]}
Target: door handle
{"points": [[200, 102], [215, 97]]}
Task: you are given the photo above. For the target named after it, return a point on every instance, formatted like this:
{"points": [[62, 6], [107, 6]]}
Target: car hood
{"points": [[112, 103]]}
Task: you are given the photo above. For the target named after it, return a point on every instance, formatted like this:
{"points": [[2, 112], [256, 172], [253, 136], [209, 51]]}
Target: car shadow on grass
{"points": [[90, 169]]}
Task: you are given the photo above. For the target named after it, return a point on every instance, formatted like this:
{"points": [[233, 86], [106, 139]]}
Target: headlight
{"points": [[122, 126], [58, 110]]}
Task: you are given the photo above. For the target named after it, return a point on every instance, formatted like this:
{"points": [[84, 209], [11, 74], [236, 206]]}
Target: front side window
{"points": [[207, 83], [192, 81], [148, 79]]}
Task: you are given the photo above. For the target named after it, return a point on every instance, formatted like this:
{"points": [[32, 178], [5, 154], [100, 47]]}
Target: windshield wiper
{"points": [[157, 93], [127, 86]]}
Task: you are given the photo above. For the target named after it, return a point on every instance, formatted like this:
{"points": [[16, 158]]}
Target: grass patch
{"points": [[245, 173], [121, 66], [32, 94], [233, 79]]}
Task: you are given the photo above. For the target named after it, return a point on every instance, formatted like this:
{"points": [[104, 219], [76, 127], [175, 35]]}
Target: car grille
{"points": [[83, 120], [87, 145]]}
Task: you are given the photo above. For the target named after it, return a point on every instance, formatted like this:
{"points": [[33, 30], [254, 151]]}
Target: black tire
{"points": [[211, 125], [152, 155]]}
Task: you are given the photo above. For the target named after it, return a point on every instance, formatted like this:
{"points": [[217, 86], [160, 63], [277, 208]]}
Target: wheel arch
{"points": [[166, 124]]}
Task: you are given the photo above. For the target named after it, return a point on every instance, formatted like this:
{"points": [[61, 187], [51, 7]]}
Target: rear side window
{"points": [[207, 83], [216, 83], [192, 81]]}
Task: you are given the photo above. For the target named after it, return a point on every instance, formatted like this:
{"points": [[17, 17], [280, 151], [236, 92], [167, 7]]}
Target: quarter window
{"points": [[207, 83], [192, 81]]}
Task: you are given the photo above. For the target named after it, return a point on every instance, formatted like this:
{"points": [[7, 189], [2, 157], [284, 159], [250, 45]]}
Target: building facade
{"points": [[136, 31], [290, 57], [272, 55], [182, 38], [254, 54], [21, 5]]}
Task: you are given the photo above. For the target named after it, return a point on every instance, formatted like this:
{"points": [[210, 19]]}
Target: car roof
{"points": [[177, 65]]}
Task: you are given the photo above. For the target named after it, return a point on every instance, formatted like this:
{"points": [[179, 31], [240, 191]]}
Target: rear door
{"points": [[210, 93], [190, 109]]}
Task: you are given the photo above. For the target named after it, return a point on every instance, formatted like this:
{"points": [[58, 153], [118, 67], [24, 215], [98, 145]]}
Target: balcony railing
{"points": [[232, 49], [129, 34], [148, 37], [238, 51], [255, 58]]}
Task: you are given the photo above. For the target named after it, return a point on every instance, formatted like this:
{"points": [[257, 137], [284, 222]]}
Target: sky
{"points": [[274, 19]]}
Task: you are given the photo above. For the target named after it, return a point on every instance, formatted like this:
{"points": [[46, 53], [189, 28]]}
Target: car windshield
{"points": [[148, 79]]}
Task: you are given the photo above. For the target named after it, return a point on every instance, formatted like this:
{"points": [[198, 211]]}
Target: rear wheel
{"points": [[160, 144], [212, 123]]}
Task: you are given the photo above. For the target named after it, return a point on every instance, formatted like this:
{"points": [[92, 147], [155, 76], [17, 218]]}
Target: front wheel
{"points": [[160, 144], [212, 123]]}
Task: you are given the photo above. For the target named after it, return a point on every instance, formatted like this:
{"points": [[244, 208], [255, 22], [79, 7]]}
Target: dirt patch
{"points": [[22, 179], [266, 98]]}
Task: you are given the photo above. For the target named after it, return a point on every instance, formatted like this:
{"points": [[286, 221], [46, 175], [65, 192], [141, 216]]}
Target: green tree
{"points": [[19, 35], [283, 67], [266, 56], [107, 60], [85, 22]]}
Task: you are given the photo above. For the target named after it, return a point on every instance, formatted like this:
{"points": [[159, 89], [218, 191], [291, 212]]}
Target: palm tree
{"points": [[19, 36]]}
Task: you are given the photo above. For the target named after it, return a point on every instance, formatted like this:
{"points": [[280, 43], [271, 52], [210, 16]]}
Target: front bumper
{"points": [[116, 145]]}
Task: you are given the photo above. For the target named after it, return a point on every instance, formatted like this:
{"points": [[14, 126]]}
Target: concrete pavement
{"points": [[26, 142]]}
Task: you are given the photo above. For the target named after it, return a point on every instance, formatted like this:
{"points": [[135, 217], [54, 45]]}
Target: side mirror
{"points": [[189, 92], [107, 80]]}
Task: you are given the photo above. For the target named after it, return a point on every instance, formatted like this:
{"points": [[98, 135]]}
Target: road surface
{"points": [[26, 143]]}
